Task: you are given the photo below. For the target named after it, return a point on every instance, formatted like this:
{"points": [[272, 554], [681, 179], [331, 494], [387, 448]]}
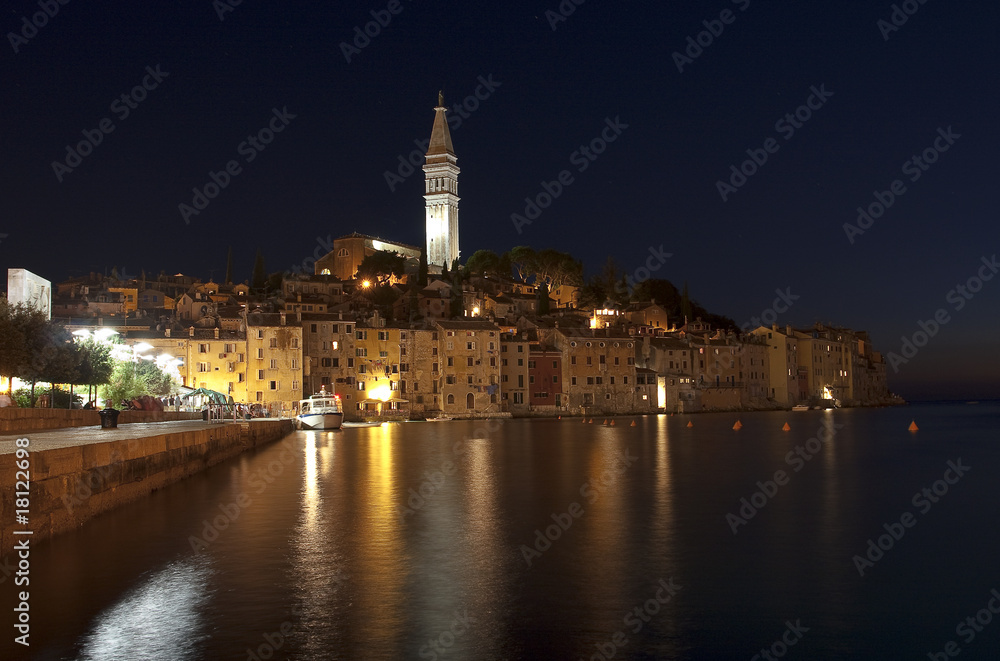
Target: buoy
{"points": [[612, 422], [690, 423], [913, 425], [605, 421], [633, 424], [559, 418], [590, 422], [584, 420], [786, 427], [738, 425]]}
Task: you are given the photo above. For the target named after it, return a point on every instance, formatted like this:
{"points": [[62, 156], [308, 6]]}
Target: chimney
{"points": [[788, 331], [216, 333], [190, 331], [166, 332], [282, 318]]}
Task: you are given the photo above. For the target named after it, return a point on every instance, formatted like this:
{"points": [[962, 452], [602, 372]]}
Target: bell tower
{"points": [[441, 194]]}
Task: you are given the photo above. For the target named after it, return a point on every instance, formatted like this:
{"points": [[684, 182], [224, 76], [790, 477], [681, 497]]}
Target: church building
{"points": [[441, 194]]}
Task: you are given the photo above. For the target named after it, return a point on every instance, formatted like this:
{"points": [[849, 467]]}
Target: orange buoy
{"points": [[590, 422], [786, 427], [605, 421], [913, 425], [738, 425], [559, 418], [584, 420], [612, 422], [690, 423], [633, 424]]}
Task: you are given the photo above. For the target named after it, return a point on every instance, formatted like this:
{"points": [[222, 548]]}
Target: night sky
{"points": [[885, 95]]}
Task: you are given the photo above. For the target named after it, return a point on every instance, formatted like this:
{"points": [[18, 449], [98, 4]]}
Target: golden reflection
{"points": [[380, 550], [663, 511]]}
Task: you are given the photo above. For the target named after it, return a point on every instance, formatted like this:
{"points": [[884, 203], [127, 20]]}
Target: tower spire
{"points": [[441, 193]]}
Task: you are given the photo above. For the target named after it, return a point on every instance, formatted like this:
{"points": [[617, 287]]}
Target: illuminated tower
{"points": [[441, 194]]}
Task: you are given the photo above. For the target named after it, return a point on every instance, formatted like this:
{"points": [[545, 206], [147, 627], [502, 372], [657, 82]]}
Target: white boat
{"points": [[321, 411], [800, 407], [439, 418]]}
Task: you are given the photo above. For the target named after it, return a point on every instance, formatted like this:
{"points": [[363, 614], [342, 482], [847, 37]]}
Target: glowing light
{"points": [[142, 347], [475, 311], [365, 284], [381, 393]]}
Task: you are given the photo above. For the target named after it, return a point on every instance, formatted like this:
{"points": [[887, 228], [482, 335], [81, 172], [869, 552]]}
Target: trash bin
{"points": [[109, 417]]}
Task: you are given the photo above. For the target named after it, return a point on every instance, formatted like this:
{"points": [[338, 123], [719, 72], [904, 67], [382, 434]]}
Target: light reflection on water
{"points": [[161, 618], [326, 549]]}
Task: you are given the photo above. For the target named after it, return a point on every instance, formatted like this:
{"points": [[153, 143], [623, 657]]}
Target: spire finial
{"points": [[440, 99]]}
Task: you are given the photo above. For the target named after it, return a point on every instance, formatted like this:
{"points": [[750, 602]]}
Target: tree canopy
{"points": [[552, 267], [380, 266]]}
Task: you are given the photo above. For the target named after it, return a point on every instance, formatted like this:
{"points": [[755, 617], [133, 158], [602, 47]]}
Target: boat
{"points": [[321, 411], [800, 407], [440, 418]]}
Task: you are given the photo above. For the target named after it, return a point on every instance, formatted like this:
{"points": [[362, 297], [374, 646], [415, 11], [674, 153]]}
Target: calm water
{"points": [[314, 557]]}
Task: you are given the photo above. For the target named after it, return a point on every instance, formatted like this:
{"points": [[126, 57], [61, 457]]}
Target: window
{"points": [[404, 367], [434, 367], [361, 335], [451, 399], [519, 398], [260, 396], [625, 380], [520, 380], [451, 345], [361, 385], [434, 351], [531, 364], [599, 380], [531, 378], [295, 385], [402, 351], [572, 360], [469, 361], [239, 378], [362, 368], [617, 360], [260, 375], [590, 380], [343, 252], [202, 348], [361, 352], [492, 346], [230, 348], [555, 364], [520, 348], [230, 366], [520, 362], [469, 346], [312, 327], [273, 385], [602, 359], [383, 354], [451, 361], [204, 367], [325, 362], [274, 363], [590, 360], [449, 379], [493, 361], [295, 363], [631, 360], [295, 343], [555, 378], [468, 379], [572, 380]]}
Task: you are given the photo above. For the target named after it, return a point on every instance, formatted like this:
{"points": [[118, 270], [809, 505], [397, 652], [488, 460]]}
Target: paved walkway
{"points": [[50, 439]]}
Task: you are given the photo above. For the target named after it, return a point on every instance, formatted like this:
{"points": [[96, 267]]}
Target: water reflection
{"points": [[160, 619]]}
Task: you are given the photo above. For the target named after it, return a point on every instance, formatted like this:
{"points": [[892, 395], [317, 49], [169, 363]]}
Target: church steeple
{"points": [[441, 193]]}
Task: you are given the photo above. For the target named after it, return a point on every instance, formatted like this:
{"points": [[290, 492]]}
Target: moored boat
{"points": [[321, 411]]}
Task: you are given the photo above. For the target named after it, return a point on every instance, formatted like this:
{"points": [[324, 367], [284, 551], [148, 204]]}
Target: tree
{"points": [[543, 299], [96, 364], [686, 312], [381, 266], [552, 267], [422, 271], [15, 322], [258, 280], [483, 262], [229, 267], [131, 379], [52, 355]]}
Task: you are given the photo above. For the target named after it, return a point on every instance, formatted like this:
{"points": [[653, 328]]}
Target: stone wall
{"points": [[15, 420], [70, 485]]}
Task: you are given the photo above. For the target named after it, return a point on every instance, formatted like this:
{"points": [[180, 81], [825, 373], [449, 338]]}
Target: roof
{"points": [[270, 319], [440, 144], [467, 325]]}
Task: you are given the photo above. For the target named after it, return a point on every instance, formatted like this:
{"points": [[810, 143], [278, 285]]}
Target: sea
{"points": [[840, 534]]}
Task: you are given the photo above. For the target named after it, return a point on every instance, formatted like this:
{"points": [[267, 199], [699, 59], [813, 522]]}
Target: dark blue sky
{"points": [[552, 91]]}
